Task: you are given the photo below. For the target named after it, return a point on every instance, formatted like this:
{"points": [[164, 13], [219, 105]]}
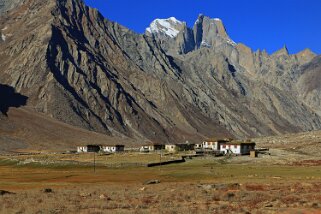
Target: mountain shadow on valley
{"points": [[9, 98]]}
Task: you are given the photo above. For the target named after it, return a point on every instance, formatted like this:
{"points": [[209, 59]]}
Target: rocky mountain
{"points": [[163, 28], [6, 5], [171, 84], [177, 38], [308, 84]]}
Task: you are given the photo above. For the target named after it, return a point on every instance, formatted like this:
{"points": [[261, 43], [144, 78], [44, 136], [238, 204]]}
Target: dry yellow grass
{"points": [[165, 198], [197, 186], [283, 182], [120, 191]]}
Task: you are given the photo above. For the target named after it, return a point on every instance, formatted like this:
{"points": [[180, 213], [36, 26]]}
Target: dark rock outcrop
{"points": [[9, 98]]}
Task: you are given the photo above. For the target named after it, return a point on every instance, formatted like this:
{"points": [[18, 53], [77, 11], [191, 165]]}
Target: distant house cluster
{"points": [[177, 147], [101, 148], [218, 146]]}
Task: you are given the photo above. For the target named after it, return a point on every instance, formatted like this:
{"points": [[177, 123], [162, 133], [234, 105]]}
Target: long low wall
{"points": [[166, 162]]}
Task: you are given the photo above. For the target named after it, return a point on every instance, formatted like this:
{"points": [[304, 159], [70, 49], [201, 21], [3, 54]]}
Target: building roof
{"points": [[218, 140], [153, 144], [89, 145], [240, 143], [180, 144], [100, 145]]}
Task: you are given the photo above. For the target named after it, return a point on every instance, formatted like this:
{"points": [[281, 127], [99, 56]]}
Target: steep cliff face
{"points": [[26, 31], [176, 37], [309, 84], [171, 84], [86, 57]]}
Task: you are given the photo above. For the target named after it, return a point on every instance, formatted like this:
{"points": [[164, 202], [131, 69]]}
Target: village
{"points": [[214, 147]]}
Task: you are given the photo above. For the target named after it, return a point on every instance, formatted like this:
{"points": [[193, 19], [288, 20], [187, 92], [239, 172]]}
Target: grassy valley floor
{"points": [[67, 183]]}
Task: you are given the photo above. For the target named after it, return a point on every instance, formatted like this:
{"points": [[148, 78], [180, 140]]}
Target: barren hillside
{"points": [[25, 130]]}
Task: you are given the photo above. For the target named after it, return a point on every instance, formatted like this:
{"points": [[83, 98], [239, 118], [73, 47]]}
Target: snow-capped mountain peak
{"points": [[169, 27]]}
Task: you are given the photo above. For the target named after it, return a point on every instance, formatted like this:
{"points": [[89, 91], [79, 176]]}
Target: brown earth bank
{"points": [[25, 130]]}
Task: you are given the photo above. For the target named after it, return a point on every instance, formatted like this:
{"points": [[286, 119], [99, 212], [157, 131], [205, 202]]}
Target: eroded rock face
{"points": [[309, 84], [6, 5], [84, 70]]}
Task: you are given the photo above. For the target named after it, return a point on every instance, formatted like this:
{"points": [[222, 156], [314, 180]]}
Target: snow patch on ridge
{"points": [[205, 44], [231, 42], [167, 26]]}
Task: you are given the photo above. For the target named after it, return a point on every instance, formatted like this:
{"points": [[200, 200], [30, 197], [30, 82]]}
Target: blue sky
{"points": [[260, 24]]}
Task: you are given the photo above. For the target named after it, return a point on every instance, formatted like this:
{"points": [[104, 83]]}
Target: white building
{"points": [[100, 148], [152, 147], [237, 148], [88, 148], [113, 148], [81, 149], [170, 147], [214, 144], [179, 147], [198, 146]]}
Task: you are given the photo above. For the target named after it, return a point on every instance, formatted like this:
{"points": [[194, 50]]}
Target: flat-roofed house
{"points": [[170, 147], [88, 148], [237, 148], [81, 149], [198, 146], [101, 148], [152, 147], [214, 144], [178, 147], [113, 148]]}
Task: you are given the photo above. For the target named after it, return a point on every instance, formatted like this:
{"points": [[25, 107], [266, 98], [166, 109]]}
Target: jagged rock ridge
{"points": [[87, 71]]}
